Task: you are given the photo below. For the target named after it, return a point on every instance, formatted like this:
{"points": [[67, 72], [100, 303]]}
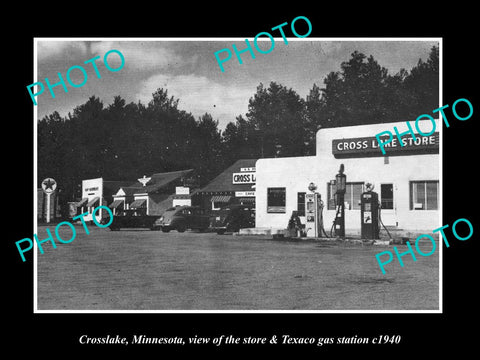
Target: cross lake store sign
{"points": [[246, 177], [368, 146]]}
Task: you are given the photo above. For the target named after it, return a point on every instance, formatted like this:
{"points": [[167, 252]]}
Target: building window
{"points": [[423, 195], [301, 204], [386, 196], [276, 200], [352, 195]]}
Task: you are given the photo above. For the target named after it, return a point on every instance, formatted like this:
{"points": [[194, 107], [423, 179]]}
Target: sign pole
{"points": [[48, 185], [48, 207]]}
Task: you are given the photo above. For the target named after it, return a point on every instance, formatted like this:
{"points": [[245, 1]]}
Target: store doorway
{"points": [[387, 200]]}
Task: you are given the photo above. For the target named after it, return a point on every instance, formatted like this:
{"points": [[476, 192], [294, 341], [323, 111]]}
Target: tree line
{"points": [[123, 141]]}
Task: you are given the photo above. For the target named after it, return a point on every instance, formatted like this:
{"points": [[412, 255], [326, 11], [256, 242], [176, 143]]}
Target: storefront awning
{"points": [[115, 204], [93, 201], [137, 204], [221, 198], [81, 202]]}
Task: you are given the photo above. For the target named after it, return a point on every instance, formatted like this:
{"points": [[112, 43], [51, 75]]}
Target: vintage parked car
{"points": [[181, 218], [130, 220], [232, 218]]}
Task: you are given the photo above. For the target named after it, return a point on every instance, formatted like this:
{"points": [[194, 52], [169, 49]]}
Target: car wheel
{"points": [[181, 228], [165, 230], [221, 232]]}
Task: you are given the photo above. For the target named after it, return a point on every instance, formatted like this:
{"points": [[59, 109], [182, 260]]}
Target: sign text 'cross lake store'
{"points": [[368, 146], [246, 176]]}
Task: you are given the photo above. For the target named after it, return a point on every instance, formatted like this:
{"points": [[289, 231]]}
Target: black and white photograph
{"points": [[226, 191], [292, 183]]}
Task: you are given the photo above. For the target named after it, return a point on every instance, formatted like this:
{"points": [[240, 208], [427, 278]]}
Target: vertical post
{"points": [[48, 207]]}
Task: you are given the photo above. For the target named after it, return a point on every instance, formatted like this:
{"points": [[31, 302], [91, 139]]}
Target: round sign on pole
{"points": [[49, 185]]}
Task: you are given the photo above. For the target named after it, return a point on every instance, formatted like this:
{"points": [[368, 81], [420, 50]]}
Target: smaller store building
{"points": [[155, 194], [234, 185]]}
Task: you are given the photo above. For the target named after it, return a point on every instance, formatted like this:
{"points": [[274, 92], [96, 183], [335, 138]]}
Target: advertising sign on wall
{"points": [[243, 178], [368, 146]]}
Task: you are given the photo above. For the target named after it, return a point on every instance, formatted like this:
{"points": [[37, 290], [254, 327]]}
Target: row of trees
{"points": [[124, 141], [280, 122]]}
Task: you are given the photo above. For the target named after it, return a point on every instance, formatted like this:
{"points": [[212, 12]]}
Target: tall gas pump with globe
{"points": [[314, 213], [311, 214]]}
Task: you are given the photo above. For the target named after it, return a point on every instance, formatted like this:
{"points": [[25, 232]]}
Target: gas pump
{"points": [[340, 188], [311, 215], [369, 213], [314, 213]]}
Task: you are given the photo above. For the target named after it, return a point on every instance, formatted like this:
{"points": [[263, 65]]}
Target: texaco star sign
{"points": [[49, 185]]}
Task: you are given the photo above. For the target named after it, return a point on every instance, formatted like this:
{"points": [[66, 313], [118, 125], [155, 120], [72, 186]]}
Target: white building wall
{"points": [[296, 173]]}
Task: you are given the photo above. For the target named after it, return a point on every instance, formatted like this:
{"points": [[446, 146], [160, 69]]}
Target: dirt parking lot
{"points": [[151, 270]]}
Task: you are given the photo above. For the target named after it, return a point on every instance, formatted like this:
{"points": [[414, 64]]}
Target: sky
{"points": [[189, 70]]}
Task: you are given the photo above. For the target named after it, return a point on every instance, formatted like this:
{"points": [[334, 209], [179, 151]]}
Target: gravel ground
{"points": [[151, 270]]}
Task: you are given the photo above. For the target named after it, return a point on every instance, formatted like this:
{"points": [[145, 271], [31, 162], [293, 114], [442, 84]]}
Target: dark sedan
{"points": [[181, 218], [232, 218]]}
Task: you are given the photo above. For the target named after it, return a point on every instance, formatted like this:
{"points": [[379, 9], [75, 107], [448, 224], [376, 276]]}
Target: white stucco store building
{"points": [[407, 179]]}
